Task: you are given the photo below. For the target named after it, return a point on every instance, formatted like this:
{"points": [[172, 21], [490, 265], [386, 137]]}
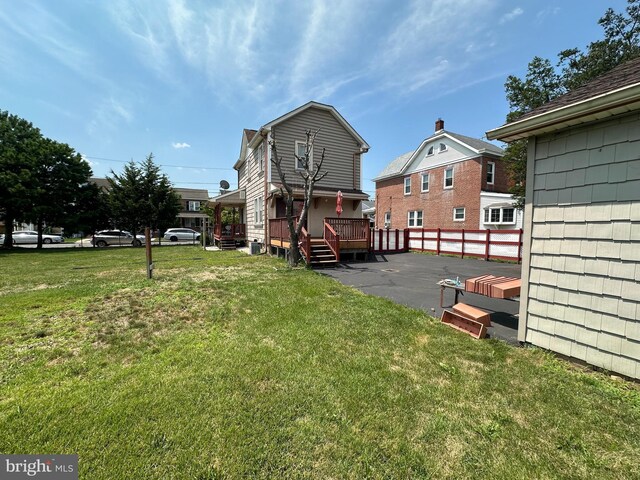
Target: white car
{"points": [[31, 236], [175, 234], [104, 238]]}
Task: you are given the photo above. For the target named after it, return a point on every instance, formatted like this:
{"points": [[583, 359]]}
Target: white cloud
{"points": [[180, 145], [507, 17]]}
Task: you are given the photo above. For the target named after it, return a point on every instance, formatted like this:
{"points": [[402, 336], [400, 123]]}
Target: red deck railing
{"points": [[234, 230], [279, 229], [350, 228], [332, 239]]}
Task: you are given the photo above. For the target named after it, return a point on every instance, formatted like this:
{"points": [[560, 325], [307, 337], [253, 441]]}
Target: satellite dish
{"points": [[224, 185]]}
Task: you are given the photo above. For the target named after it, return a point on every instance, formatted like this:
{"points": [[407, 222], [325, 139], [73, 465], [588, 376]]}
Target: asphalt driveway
{"points": [[410, 279]]}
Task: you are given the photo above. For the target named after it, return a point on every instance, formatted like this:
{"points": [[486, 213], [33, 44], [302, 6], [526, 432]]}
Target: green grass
{"points": [[230, 366]]}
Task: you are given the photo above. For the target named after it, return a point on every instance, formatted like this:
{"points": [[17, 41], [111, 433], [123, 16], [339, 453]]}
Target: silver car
{"points": [[175, 234], [104, 238], [31, 236]]}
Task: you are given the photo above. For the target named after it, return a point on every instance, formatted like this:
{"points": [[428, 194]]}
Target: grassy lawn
{"points": [[229, 366]]}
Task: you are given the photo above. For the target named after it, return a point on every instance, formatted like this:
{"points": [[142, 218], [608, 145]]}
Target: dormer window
{"points": [[430, 151], [442, 147]]}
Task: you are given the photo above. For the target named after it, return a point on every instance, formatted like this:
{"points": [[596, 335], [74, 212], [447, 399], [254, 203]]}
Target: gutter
{"points": [[599, 107]]}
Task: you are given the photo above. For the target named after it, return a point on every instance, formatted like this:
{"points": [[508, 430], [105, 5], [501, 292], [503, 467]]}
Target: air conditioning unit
{"points": [[387, 225]]}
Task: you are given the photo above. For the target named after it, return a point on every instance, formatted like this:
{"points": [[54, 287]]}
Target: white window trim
{"points": [[404, 188], [442, 150], [387, 219], [422, 182], [259, 157], [493, 173], [444, 182], [258, 212], [193, 202], [430, 150], [303, 143], [501, 221], [414, 218], [464, 214]]}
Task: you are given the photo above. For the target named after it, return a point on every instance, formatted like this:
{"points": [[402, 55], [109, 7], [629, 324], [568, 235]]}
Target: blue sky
{"points": [[117, 80]]}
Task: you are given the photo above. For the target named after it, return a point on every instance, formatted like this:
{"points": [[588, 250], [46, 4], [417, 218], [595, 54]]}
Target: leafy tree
{"points": [[20, 143], [310, 174], [141, 196], [89, 213], [59, 175], [543, 82]]}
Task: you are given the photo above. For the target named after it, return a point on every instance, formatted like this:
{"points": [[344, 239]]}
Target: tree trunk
{"points": [[39, 228], [8, 227], [294, 250]]}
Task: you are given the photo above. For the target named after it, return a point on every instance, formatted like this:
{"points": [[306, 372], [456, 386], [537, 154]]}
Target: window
{"points": [[407, 185], [387, 219], [259, 158], [497, 216], [430, 151], [491, 168], [414, 218], [443, 147], [300, 152], [258, 205], [448, 178], [193, 206], [458, 214], [425, 182]]}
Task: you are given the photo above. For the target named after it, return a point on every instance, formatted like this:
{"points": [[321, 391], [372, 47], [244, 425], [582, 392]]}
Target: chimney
{"points": [[439, 125]]}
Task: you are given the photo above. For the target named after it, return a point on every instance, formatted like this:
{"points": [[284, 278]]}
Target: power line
{"points": [[159, 164]]}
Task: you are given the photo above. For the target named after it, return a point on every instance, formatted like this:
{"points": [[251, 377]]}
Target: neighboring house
{"points": [[369, 211], [449, 181], [581, 264], [259, 198], [191, 199]]}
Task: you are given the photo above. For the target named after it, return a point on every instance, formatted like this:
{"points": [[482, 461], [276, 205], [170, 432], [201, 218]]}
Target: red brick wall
{"points": [[437, 204]]}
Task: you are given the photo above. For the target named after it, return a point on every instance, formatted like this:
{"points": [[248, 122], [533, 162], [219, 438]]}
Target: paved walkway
{"points": [[410, 279]]}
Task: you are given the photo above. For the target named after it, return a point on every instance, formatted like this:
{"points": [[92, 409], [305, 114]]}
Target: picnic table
{"points": [[446, 283]]}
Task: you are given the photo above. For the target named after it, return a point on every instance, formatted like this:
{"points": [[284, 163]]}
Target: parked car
{"points": [[175, 234], [116, 237], [31, 236]]}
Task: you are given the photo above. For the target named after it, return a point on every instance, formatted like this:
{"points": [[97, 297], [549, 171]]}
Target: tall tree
{"points": [[60, 174], [310, 173], [20, 144], [142, 196], [543, 82]]}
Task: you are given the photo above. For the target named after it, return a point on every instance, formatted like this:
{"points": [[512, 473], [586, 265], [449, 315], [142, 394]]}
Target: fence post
{"points": [[397, 239], [422, 246], [407, 239], [487, 243], [369, 238], [462, 245], [438, 242], [520, 247]]}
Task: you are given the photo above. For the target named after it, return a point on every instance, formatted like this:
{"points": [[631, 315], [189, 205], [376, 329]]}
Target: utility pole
{"points": [[147, 241]]}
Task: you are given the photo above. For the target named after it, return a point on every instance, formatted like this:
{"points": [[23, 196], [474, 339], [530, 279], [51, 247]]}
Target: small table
{"points": [[458, 289]]}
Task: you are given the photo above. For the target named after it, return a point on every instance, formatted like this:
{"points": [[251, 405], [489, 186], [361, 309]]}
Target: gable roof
{"points": [[329, 108], [399, 164], [249, 134], [615, 92]]}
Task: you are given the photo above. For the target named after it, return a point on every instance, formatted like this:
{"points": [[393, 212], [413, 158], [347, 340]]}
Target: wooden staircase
{"points": [[227, 244], [321, 254]]}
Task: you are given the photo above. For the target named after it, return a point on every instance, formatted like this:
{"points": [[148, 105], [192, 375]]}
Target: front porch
{"points": [[341, 238], [229, 230]]}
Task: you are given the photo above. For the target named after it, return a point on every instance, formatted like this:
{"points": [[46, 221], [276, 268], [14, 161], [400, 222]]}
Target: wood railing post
{"points": [[369, 237], [462, 245], [407, 240], [438, 242], [487, 244], [337, 247]]}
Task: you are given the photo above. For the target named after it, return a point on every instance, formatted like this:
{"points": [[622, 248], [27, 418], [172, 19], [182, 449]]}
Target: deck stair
{"points": [[227, 244], [321, 254]]}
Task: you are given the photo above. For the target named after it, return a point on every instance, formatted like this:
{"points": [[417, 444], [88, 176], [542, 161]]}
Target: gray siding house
{"points": [[258, 198], [581, 263]]}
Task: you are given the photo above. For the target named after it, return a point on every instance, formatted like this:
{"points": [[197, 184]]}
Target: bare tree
{"points": [[310, 174]]}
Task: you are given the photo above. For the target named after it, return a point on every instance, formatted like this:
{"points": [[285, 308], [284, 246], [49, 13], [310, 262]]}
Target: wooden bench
{"points": [[473, 313]]}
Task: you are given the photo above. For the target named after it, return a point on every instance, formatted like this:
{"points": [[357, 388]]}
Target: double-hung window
{"points": [[259, 158], [387, 219], [448, 178], [258, 206], [458, 214], [425, 182], [407, 185], [414, 218], [193, 206], [301, 149], [491, 172]]}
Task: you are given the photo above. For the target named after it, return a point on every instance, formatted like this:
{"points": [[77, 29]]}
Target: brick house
{"points": [[449, 181], [581, 249]]}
